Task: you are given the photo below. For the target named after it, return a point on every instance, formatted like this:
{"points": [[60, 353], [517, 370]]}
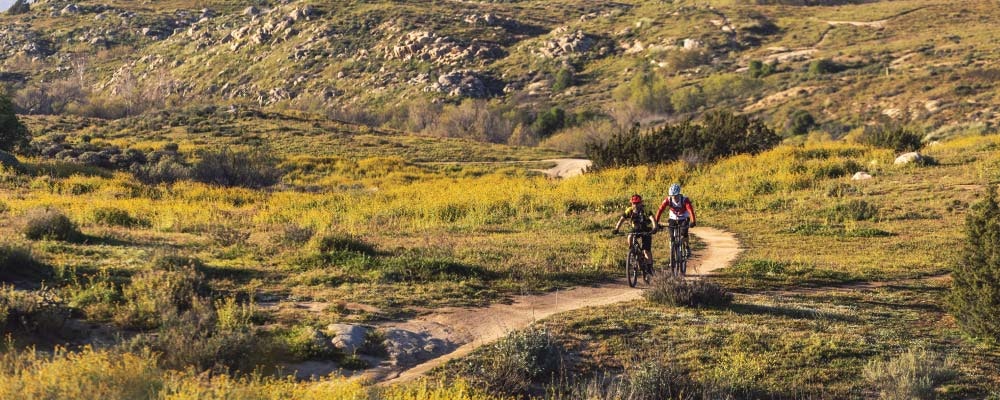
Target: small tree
{"points": [[800, 122], [19, 7], [975, 292], [13, 133]]}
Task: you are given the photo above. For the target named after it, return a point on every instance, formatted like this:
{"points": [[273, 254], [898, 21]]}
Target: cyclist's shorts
{"points": [[678, 223], [647, 241]]}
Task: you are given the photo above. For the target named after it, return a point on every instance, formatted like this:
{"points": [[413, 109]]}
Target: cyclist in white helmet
{"points": [[681, 214]]}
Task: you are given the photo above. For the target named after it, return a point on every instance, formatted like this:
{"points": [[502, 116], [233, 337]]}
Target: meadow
{"points": [[373, 239]]}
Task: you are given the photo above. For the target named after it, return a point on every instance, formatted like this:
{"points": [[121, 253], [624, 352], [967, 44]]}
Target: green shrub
{"points": [[646, 90], [48, 223], [854, 210], [800, 122], [31, 312], [549, 122], [676, 291], [13, 134], [687, 99], [899, 138], [118, 217], [19, 7], [976, 287], [155, 295], [17, 263], [721, 134], [759, 69], [253, 169], [304, 342], [513, 364], [164, 170], [344, 243], [824, 66], [193, 338], [911, 375], [562, 80], [8, 160], [646, 380]]}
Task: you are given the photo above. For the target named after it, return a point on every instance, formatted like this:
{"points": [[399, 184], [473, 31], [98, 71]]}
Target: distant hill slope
{"points": [[929, 62]]}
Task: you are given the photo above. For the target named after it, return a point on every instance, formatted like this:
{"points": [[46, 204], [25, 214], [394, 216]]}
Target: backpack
{"points": [[639, 219]]}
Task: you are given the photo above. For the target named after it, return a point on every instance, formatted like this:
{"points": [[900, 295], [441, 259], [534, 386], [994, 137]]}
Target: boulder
{"points": [[407, 348], [348, 338], [909, 158], [70, 9], [861, 176]]}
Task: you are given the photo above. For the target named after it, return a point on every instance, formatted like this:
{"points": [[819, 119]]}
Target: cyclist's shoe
{"points": [[687, 252]]}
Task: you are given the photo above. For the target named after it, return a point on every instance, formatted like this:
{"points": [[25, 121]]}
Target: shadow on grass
{"points": [[789, 312]]}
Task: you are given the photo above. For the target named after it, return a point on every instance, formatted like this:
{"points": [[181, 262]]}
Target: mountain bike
{"points": [[636, 262], [678, 248]]}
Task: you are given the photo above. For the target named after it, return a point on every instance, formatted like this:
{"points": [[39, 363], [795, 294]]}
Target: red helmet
{"points": [[636, 199]]}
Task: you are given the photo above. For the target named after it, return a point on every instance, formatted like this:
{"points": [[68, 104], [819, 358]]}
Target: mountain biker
{"points": [[681, 210], [642, 222]]}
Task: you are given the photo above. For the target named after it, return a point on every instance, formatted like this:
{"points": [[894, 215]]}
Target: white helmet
{"points": [[675, 189]]}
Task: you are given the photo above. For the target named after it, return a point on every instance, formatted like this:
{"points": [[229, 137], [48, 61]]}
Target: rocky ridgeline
{"points": [[19, 40]]}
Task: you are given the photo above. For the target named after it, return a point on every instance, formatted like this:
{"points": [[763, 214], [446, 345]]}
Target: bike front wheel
{"points": [[632, 268]]}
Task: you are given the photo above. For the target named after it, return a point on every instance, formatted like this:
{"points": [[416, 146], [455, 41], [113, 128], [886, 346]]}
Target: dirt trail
{"points": [[566, 167], [476, 327]]}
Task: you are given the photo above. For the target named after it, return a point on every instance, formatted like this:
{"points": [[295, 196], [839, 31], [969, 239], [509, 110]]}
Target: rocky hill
{"points": [[829, 69]]}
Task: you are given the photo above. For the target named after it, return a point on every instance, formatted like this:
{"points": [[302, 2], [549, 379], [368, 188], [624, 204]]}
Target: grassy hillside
{"points": [[920, 62]]}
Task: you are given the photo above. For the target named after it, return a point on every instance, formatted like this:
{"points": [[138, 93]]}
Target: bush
{"points": [[687, 99], [31, 312], [824, 66], [759, 69], [19, 7], [548, 122], [911, 375], [13, 134], [562, 80], [976, 286], [164, 170], [854, 210], [512, 364], [8, 160], [694, 293], [647, 90], [194, 338], [118, 217], [18, 263], [49, 223], [253, 169], [800, 122], [721, 134], [647, 380], [899, 138], [155, 295]]}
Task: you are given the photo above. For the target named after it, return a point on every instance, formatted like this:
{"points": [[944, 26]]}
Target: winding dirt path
{"points": [[472, 328]]}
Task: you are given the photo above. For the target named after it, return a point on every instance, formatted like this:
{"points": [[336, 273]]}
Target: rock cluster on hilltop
{"points": [[275, 25], [468, 83], [565, 43], [442, 50]]}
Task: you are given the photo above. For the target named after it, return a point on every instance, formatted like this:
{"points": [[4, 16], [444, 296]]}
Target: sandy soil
{"points": [[475, 327]]}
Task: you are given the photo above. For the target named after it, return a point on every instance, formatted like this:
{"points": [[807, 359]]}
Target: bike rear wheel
{"points": [[632, 268]]}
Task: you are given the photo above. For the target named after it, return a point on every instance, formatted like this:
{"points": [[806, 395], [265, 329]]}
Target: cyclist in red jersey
{"points": [[681, 213]]}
